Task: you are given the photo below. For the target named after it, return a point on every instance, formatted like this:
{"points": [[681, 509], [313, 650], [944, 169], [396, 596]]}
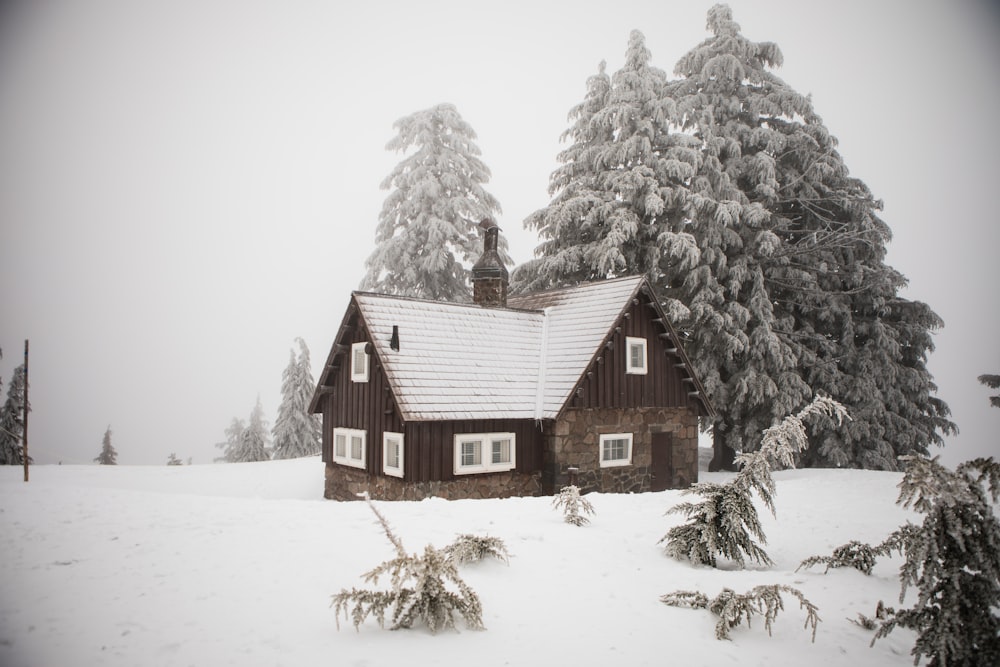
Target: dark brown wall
{"points": [[362, 405], [607, 385]]}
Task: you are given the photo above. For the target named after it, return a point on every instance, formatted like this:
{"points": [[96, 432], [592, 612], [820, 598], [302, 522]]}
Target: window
{"points": [[635, 362], [359, 362], [484, 452], [392, 454], [616, 449], [349, 446]]}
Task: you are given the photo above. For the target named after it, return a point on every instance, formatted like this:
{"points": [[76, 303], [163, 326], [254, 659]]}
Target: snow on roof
{"points": [[464, 361]]}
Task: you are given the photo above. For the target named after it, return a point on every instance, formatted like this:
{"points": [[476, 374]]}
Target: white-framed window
{"points": [[392, 454], [349, 447], [635, 351], [616, 449], [359, 362], [484, 452]]}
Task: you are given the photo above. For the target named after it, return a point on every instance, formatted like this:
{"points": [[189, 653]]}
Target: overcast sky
{"points": [[187, 186]]}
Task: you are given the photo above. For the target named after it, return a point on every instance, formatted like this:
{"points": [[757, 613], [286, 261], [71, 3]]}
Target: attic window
{"points": [[484, 452], [635, 361], [359, 362]]}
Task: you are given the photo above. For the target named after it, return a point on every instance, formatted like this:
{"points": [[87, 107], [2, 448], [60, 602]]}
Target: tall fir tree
{"points": [[427, 234], [234, 436], [792, 238], [296, 433], [253, 443], [619, 185], [108, 455], [726, 190], [12, 421]]}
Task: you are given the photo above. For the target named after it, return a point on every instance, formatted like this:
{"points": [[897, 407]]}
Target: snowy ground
{"points": [[235, 564]]}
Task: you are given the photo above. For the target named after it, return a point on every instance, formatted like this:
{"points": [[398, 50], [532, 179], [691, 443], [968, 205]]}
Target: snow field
{"points": [[235, 565]]}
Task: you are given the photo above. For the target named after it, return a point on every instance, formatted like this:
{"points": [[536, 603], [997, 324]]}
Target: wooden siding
{"points": [[429, 446], [368, 406], [606, 384]]}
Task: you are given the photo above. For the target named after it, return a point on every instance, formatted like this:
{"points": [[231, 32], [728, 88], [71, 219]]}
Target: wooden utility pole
{"points": [[24, 433]]}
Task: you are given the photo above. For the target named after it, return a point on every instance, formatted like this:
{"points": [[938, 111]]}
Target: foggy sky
{"points": [[186, 187]]}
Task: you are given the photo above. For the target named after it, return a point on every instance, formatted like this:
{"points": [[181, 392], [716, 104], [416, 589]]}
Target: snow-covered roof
{"points": [[463, 361]]}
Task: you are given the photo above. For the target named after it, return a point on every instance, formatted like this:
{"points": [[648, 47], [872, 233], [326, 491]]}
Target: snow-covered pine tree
{"points": [[726, 523], [618, 196], [12, 421], [234, 436], [792, 252], [296, 433], [953, 559], [733, 608], [572, 504], [254, 439], [172, 460], [427, 235], [108, 455], [419, 587], [993, 382]]}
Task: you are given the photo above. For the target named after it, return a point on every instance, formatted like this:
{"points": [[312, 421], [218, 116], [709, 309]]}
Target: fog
{"points": [[186, 187]]}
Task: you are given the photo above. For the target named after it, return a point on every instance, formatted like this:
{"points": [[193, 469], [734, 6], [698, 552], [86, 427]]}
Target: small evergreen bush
{"points": [[726, 523], [572, 504], [418, 591], [473, 548], [732, 607]]}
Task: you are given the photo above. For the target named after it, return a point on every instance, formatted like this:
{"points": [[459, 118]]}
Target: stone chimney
{"points": [[489, 275]]}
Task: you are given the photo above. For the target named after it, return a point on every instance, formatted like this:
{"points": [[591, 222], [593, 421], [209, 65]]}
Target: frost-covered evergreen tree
{"points": [[246, 441], [993, 382], [172, 460], [427, 236], [725, 188], [12, 421], [422, 588], [726, 523], [108, 455], [234, 436], [953, 560], [792, 252], [296, 433], [254, 439], [572, 504], [617, 196]]}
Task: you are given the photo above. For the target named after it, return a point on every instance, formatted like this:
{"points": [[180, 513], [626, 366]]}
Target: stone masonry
{"points": [[345, 483], [574, 442]]}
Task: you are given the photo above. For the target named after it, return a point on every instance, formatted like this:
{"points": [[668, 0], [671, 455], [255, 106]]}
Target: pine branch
{"points": [[733, 608]]}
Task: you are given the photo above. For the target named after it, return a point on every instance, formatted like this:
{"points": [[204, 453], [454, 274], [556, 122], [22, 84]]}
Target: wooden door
{"points": [[662, 464]]}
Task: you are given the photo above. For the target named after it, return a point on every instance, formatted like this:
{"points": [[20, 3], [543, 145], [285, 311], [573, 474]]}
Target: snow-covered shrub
{"points": [[474, 548], [859, 555], [572, 503], [732, 607], [418, 591], [726, 523], [953, 559]]}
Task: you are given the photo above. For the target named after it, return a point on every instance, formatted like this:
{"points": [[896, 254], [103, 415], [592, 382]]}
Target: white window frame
{"points": [[612, 463], [348, 458], [486, 464], [359, 372], [387, 439], [630, 368]]}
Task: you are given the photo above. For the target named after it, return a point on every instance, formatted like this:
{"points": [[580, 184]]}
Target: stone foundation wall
{"points": [[574, 442], [345, 483]]}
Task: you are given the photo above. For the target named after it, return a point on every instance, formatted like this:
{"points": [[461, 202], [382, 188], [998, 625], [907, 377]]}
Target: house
{"points": [[504, 396]]}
